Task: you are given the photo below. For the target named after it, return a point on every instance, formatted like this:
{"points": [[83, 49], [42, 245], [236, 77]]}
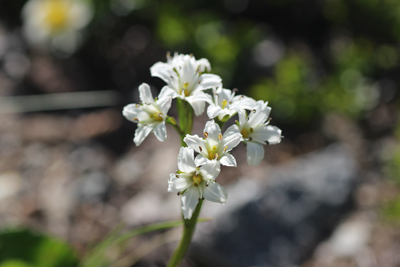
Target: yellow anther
{"points": [[196, 180], [216, 156], [251, 130], [225, 148], [220, 137], [205, 134], [135, 119], [224, 103]]}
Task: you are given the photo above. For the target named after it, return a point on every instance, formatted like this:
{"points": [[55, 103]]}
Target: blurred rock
{"points": [[277, 218], [92, 187]]}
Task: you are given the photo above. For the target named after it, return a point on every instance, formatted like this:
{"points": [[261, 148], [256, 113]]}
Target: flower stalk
{"points": [[188, 230]]}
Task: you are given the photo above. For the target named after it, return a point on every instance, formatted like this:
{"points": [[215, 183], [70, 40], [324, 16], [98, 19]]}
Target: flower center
{"points": [[56, 14], [246, 132], [197, 180], [224, 103], [212, 153], [157, 116]]}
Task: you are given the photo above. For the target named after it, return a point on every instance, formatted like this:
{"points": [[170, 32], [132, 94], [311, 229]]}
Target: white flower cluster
{"points": [[196, 177]]}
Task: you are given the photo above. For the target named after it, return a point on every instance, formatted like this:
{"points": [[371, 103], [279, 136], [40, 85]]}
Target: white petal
{"points": [[189, 201], [203, 65], [244, 102], [213, 130], [228, 160], [255, 153], [197, 100], [186, 160], [233, 129], [164, 104], [195, 142], [160, 131], [145, 94], [200, 160], [163, 71], [141, 133], [271, 134], [213, 111], [242, 118], [215, 193], [210, 170], [167, 91], [132, 111], [260, 116], [210, 80], [176, 185], [230, 140]]}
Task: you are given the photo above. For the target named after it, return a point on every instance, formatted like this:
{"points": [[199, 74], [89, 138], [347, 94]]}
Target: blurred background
{"points": [[328, 195]]}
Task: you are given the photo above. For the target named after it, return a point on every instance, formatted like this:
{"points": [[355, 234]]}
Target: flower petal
{"points": [[260, 115], [160, 131], [200, 160], [186, 160], [213, 111], [255, 153], [267, 133], [203, 65], [145, 94], [189, 201], [195, 142], [163, 71], [176, 185], [210, 80], [210, 170], [167, 91], [228, 160], [132, 112], [197, 100], [141, 133], [164, 104], [213, 130], [214, 192], [230, 139]]}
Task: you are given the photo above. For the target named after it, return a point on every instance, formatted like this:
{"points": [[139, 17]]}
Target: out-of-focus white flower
{"points": [[226, 104], [150, 115], [256, 132], [215, 146], [193, 183], [56, 23], [185, 79]]}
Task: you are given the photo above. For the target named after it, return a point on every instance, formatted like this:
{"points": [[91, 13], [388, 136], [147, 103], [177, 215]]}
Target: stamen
{"points": [[135, 119], [185, 85], [267, 142], [205, 134], [251, 130], [177, 175], [137, 105], [254, 110], [199, 82], [250, 138], [225, 148], [179, 193], [200, 149], [219, 137], [216, 156], [235, 90], [168, 55]]}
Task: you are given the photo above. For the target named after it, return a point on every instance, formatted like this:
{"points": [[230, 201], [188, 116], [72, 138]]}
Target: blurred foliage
{"points": [[20, 248]]}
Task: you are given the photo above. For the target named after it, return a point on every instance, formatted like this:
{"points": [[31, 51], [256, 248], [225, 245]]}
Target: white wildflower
{"points": [[150, 115], [185, 79], [193, 183], [214, 146], [56, 23]]}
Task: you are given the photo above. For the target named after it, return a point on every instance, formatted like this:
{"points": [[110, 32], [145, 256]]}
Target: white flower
{"points": [[226, 104], [184, 78], [256, 132], [150, 115], [56, 23], [193, 183], [215, 146]]}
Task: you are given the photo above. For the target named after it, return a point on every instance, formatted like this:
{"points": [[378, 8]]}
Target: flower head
{"points": [[214, 146], [256, 132], [56, 22], [193, 183], [226, 104], [185, 79], [150, 115]]}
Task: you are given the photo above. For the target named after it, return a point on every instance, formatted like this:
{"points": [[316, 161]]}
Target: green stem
{"points": [[188, 230], [185, 113]]}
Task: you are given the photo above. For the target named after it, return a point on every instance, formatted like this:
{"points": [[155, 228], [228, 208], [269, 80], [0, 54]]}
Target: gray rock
{"points": [[278, 220]]}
